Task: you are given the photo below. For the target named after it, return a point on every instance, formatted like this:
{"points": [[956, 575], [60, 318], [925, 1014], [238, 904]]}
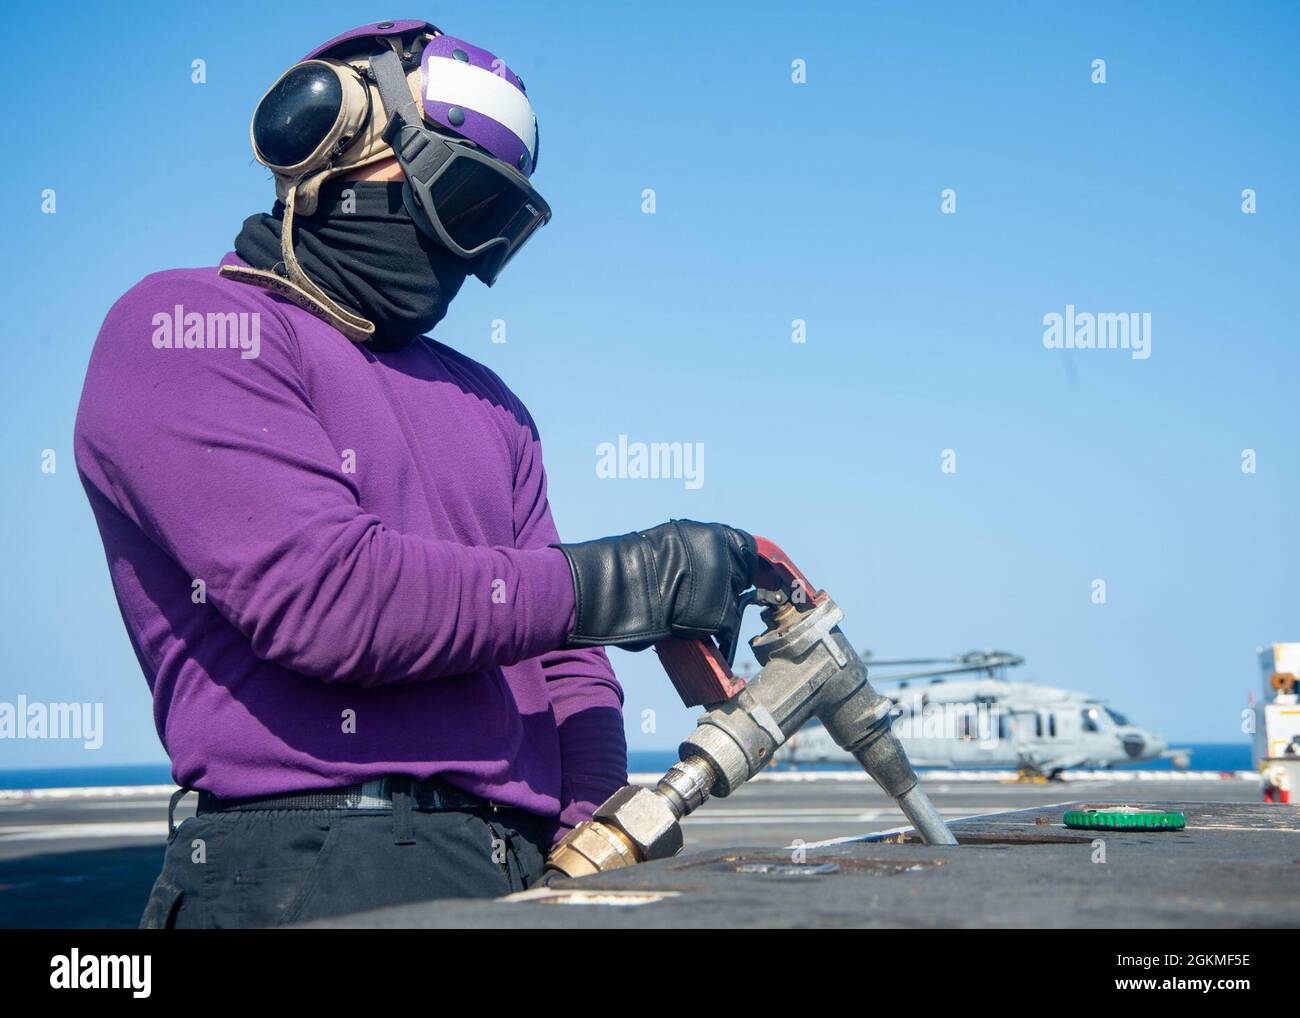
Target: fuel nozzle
{"points": [[809, 669], [635, 824]]}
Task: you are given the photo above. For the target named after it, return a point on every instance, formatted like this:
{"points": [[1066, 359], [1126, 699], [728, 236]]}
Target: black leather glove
{"points": [[679, 579]]}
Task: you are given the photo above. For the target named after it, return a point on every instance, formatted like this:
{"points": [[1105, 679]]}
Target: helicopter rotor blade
{"points": [[899, 662], [976, 661]]}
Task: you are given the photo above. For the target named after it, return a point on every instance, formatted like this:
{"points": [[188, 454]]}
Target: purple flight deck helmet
{"points": [[455, 116], [464, 89]]}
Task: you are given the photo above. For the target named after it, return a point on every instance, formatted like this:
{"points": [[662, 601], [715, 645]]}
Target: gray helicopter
{"points": [[985, 720]]}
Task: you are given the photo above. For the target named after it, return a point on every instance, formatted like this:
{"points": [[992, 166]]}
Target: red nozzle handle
{"points": [[777, 572], [698, 669]]}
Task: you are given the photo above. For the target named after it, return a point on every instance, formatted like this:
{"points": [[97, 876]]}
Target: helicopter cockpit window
{"points": [[1092, 720], [1117, 717]]}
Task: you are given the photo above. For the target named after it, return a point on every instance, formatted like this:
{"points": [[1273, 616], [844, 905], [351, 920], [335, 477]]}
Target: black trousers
{"points": [[259, 868]]}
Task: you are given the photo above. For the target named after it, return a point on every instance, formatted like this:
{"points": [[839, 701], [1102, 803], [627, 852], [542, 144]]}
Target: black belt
{"points": [[430, 795]]}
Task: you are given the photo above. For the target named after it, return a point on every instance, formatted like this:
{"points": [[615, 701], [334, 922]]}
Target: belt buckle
{"points": [[373, 794]]}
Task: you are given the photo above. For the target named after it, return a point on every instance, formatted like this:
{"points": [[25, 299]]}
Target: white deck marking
{"points": [[152, 829]]}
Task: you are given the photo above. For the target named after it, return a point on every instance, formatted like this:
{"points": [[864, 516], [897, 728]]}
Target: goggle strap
{"points": [[393, 89]]}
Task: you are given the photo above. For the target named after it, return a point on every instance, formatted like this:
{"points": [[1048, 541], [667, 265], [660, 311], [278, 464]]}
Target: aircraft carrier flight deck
{"points": [[87, 858]]}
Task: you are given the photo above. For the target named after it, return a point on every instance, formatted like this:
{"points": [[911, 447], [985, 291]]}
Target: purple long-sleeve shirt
{"points": [[333, 564]]}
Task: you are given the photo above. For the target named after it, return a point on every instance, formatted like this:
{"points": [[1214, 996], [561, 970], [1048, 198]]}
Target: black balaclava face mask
{"points": [[364, 250]]}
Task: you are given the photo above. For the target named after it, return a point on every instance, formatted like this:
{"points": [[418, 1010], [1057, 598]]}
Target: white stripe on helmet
{"points": [[475, 88]]}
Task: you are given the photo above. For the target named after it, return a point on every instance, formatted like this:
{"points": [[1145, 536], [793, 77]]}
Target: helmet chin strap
{"points": [[296, 273], [298, 287]]}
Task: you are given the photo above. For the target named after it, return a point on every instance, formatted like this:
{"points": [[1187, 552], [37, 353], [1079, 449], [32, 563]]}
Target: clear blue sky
{"points": [[775, 201]]}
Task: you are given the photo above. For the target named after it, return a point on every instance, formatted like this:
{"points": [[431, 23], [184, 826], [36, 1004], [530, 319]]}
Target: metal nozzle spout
{"points": [[861, 722], [882, 756], [918, 808]]}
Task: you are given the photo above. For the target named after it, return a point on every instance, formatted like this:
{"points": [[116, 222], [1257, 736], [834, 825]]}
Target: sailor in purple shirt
{"points": [[329, 534]]}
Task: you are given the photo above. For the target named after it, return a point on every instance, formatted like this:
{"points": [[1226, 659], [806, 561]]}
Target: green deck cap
{"points": [[1123, 818]]}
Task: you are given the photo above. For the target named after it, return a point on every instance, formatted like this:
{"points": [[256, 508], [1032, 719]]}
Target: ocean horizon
{"points": [[1206, 756]]}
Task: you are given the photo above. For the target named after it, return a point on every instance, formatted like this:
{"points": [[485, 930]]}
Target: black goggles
{"points": [[478, 207]]}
